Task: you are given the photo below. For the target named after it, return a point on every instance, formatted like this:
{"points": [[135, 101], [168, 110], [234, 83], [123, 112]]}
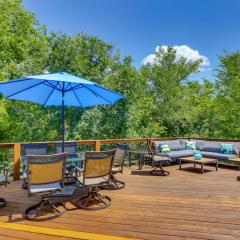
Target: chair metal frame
{"points": [[47, 197], [93, 190], [116, 184], [5, 182], [32, 149]]}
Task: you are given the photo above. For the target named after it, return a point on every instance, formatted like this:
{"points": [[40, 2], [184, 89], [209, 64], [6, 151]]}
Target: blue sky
{"points": [[137, 27]]}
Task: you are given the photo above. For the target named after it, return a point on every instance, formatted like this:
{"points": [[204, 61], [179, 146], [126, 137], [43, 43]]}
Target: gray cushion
{"points": [[173, 144], [92, 181], [180, 153], [216, 155], [199, 143], [211, 146], [41, 188]]}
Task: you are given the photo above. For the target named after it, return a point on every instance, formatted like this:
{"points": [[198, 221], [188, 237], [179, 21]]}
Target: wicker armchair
{"points": [[96, 175], [45, 177], [157, 160]]}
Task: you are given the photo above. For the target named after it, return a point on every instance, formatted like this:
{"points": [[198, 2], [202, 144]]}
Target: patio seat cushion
{"points": [[41, 188], [181, 153], [174, 145], [92, 181], [66, 191], [116, 169], [220, 156]]}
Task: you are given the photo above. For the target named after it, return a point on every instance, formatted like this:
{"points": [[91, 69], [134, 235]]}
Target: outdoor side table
{"points": [[139, 155]]}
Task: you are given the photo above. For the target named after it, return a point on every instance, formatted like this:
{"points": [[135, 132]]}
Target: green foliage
{"points": [[160, 99]]}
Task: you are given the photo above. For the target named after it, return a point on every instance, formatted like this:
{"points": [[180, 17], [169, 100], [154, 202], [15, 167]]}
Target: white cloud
{"points": [[181, 51]]}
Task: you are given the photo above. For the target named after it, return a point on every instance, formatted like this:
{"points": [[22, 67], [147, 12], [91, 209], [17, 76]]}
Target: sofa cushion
{"points": [[180, 153], [173, 144], [199, 143], [216, 155], [164, 148], [191, 145], [211, 146], [227, 148]]}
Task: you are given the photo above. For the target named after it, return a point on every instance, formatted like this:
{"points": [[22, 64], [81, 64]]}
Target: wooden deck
{"points": [[184, 205]]}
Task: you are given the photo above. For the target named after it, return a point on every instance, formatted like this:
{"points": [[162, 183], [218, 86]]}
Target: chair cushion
{"points": [[216, 155], [173, 144], [41, 188], [92, 181], [181, 153], [66, 191], [116, 169]]}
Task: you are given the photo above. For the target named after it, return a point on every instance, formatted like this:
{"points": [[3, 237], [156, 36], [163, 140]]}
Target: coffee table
{"points": [[202, 162]]}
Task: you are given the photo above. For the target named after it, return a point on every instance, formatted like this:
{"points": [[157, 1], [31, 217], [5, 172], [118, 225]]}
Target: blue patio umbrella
{"points": [[59, 89]]}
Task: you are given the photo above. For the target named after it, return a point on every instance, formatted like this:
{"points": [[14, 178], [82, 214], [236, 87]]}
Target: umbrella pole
{"points": [[63, 113]]}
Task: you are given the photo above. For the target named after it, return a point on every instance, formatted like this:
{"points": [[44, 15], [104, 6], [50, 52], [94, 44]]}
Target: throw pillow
{"points": [[227, 148], [164, 148], [191, 145]]}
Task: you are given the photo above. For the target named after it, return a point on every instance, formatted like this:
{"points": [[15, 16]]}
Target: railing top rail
{"points": [[109, 141]]}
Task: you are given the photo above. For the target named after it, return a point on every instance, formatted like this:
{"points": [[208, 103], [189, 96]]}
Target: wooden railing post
{"points": [[17, 153], [97, 145]]}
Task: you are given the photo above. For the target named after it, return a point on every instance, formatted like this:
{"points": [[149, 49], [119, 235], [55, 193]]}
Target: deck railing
{"points": [[96, 145]]}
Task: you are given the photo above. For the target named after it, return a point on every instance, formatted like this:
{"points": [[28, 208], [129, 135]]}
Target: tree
{"points": [[168, 79], [228, 96]]}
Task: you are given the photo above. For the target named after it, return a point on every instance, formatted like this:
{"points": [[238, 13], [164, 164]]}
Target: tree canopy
{"points": [[160, 98]]}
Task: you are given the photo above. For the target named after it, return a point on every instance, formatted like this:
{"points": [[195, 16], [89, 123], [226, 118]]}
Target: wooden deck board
{"points": [[184, 205]]}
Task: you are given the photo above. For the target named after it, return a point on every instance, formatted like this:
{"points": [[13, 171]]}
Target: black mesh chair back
{"points": [[35, 149], [69, 147]]}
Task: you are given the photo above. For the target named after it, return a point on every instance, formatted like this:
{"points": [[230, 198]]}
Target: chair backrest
{"points": [[98, 164], [35, 149], [119, 157], [46, 169], [69, 147]]}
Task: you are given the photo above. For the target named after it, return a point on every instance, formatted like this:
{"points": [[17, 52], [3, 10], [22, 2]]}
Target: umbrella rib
{"points": [[53, 89], [97, 94], [47, 83], [11, 95], [76, 87], [76, 96]]}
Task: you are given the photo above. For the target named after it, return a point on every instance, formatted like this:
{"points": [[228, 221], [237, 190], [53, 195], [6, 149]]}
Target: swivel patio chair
{"points": [[4, 181], [118, 164], [157, 160], [45, 178], [96, 175], [31, 149]]}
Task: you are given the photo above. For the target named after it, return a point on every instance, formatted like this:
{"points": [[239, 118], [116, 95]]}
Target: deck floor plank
{"points": [[182, 206]]}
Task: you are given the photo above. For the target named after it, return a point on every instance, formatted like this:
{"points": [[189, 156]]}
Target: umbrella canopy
{"points": [[59, 89]]}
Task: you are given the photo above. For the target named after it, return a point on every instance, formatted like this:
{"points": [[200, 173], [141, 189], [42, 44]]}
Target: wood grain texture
{"points": [[183, 205]]}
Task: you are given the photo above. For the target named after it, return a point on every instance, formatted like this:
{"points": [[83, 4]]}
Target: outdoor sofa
{"points": [[208, 148]]}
